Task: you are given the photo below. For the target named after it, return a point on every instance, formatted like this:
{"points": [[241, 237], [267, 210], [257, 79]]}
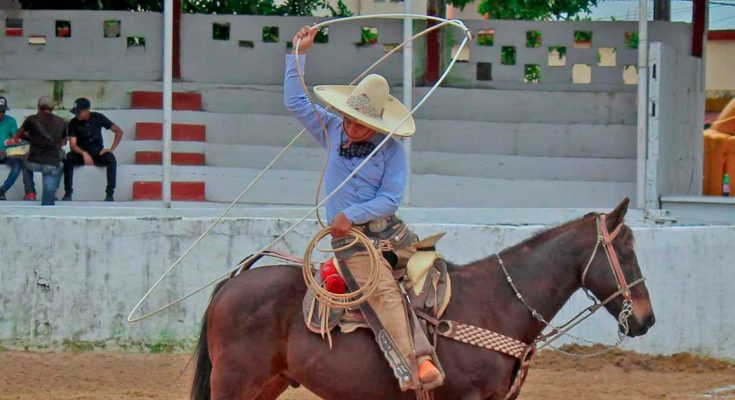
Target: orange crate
{"points": [[715, 159], [729, 161]]}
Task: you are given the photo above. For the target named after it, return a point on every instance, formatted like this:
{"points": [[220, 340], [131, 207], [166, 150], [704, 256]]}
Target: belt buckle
{"points": [[378, 225]]}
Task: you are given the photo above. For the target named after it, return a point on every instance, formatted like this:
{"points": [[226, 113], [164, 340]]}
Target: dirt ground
{"points": [[116, 375]]}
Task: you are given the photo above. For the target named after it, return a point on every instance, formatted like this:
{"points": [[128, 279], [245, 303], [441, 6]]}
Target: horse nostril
{"points": [[650, 320]]}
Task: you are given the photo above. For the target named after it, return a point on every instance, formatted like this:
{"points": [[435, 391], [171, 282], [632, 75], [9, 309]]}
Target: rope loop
{"points": [[342, 300]]}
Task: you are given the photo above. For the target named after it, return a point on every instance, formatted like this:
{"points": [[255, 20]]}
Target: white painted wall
{"points": [[87, 55], [74, 273]]}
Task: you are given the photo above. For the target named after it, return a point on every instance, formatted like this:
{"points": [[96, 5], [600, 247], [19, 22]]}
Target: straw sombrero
{"points": [[369, 103]]}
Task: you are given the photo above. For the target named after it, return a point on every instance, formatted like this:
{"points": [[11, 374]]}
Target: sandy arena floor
{"points": [[114, 375]]}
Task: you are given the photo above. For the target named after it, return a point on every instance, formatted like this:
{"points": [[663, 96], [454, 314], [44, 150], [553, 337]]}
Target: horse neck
{"points": [[546, 272]]}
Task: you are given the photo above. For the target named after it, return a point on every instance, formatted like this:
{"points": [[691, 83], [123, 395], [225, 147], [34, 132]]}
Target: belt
{"points": [[386, 234], [378, 226]]}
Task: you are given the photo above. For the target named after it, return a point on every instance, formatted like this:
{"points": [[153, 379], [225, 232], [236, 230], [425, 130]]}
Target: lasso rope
{"points": [[238, 266], [342, 300]]}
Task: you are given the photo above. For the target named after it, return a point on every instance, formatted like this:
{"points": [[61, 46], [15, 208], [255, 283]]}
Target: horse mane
{"points": [[534, 240]]}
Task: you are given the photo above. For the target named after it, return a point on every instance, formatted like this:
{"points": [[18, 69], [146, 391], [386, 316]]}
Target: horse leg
{"points": [[234, 379], [274, 388]]}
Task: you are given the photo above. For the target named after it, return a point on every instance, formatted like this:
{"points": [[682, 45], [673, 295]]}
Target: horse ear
{"points": [[617, 215]]}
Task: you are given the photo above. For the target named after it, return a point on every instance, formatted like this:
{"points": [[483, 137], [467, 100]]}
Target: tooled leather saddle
{"points": [[420, 270]]}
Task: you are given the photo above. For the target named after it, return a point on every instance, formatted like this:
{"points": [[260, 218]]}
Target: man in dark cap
{"points": [[46, 133], [87, 146]]}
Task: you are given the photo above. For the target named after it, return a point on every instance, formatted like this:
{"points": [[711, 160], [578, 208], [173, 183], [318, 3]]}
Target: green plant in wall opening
{"points": [[560, 51], [322, 36], [486, 37], [532, 73], [368, 36], [270, 34], [582, 36], [508, 55], [221, 31], [533, 39], [631, 40]]}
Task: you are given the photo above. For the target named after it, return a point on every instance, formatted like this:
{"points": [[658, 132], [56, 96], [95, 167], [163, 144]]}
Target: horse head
{"points": [[614, 276]]}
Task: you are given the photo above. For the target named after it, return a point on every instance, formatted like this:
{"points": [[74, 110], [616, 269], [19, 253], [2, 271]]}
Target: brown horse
{"points": [[253, 342]]}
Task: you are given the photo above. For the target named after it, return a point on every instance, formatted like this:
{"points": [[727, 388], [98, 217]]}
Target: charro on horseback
{"points": [[368, 202], [247, 328]]}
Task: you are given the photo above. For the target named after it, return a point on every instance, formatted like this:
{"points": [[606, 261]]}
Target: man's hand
{"points": [[105, 150], [87, 159], [341, 226], [307, 35]]}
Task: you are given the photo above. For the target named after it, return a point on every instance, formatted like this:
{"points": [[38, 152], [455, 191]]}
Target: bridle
{"points": [[605, 240]]}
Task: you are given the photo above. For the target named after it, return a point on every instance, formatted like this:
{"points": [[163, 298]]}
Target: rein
{"points": [[604, 239]]}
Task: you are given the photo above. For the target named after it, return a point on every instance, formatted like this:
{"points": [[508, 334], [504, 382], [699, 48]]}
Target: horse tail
{"points": [[201, 386]]}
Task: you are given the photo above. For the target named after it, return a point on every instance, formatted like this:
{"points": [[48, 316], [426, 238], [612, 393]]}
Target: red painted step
{"points": [[14, 32], [179, 132], [177, 158], [180, 191], [154, 100]]}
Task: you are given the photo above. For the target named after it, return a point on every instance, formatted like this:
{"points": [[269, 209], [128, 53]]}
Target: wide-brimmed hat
{"points": [[370, 104]]}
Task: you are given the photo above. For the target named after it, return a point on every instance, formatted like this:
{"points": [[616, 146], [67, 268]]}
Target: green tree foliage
{"points": [[249, 7], [135, 5], [530, 9]]}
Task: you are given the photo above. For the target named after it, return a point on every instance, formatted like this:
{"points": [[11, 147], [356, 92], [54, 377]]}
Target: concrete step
{"points": [[177, 158], [489, 105], [448, 191], [180, 191], [179, 132], [527, 139], [144, 99], [296, 187], [422, 162]]}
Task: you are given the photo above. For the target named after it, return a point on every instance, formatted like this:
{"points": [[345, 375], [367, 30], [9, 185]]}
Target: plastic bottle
{"points": [[726, 185]]}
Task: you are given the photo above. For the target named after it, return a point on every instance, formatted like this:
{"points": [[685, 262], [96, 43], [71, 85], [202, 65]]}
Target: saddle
{"points": [[420, 270]]}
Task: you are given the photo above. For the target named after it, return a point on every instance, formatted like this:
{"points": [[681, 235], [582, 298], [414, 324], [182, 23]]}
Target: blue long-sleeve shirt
{"points": [[377, 189]]}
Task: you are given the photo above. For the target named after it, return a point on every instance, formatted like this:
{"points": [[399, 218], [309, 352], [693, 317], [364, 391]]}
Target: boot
{"points": [[67, 196], [2, 194], [110, 196], [428, 372]]}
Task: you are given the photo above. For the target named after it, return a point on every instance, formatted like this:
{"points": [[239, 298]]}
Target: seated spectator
{"points": [[46, 133], [87, 146], [8, 127]]}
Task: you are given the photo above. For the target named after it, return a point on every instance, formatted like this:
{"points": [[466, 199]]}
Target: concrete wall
{"points": [[607, 70], [87, 54], [675, 146], [85, 268], [245, 58], [204, 59]]}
